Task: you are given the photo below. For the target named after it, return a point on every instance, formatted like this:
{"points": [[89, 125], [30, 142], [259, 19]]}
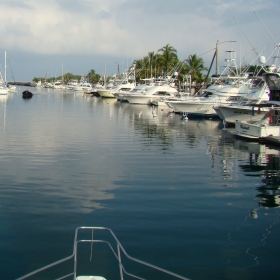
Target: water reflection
{"points": [[161, 126], [3, 110], [68, 159], [264, 162]]}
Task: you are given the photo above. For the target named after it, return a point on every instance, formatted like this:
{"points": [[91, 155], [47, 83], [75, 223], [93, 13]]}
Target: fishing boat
{"points": [[228, 88], [77, 271], [122, 84], [259, 95], [246, 107], [269, 124]]}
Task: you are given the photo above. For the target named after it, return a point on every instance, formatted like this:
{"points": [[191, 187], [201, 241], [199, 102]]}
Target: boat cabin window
{"points": [[206, 94], [233, 98], [125, 89], [161, 93]]}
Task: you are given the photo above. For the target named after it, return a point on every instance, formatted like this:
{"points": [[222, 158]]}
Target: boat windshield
{"points": [[206, 94]]}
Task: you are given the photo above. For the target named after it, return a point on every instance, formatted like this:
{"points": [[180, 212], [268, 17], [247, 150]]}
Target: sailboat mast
{"points": [[62, 73], [5, 73]]}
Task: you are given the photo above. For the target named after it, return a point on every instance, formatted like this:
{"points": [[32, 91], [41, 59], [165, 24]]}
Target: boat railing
{"points": [[118, 253]]}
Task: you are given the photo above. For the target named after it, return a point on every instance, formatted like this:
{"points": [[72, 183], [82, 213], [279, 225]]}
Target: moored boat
{"points": [[269, 125]]}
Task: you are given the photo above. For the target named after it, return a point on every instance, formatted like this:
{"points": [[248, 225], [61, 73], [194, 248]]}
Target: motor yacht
{"points": [[138, 89], [269, 124], [120, 85], [71, 84], [83, 87], [159, 90], [203, 105], [246, 107]]}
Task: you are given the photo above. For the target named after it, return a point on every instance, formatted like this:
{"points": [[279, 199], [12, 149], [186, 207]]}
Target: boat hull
{"points": [[138, 99], [194, 108], [106, 93], [231, 114], [255, 130], [4, 91]]}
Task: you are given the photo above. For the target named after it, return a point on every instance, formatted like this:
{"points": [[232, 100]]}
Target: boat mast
{"points": [[62, 73], [5, 73]]}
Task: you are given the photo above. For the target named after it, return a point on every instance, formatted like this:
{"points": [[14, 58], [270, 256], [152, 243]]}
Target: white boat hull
{"points": [[194, 108], [4, 91], [255, 130], [106, 93], [138, 99], [231, 114]]}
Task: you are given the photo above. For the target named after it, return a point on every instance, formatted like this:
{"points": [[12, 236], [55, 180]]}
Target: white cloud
{"points": [[125, 28]]}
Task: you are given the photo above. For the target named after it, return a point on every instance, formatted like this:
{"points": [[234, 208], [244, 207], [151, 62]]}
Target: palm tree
{"points": [[93, 77], [141, 67], [194, 67], [152, 62], [168, 57]]}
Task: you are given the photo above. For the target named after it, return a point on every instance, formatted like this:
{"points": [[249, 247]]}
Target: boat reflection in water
{"points": [[265, 160], [256, 161], [3, 110]]}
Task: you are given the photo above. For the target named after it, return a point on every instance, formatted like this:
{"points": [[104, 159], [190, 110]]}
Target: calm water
{"points": [[183, 195]]}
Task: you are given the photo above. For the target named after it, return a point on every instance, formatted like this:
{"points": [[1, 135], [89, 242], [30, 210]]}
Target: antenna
{"points": [[265, 28], [254, 49]]}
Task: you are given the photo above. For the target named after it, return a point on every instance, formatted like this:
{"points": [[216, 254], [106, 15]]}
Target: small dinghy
{"points": [[27, 94]]}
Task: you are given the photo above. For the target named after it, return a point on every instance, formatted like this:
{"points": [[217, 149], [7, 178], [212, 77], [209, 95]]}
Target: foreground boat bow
{"points": [[116, 248]]}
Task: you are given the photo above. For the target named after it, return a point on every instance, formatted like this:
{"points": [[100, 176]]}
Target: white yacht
{"points": [[96, 87], [159, 90], [71, 84], [246, 107], [229, 87], [83, 87], [269, 124], [138, 89], [124, 84], [203, 105], [58, 85], [109, 90]]}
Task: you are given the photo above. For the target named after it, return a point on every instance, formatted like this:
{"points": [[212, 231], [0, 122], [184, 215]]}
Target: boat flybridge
{"points": [[229, 87], [253, 104], [122, 84], [77, 267]]}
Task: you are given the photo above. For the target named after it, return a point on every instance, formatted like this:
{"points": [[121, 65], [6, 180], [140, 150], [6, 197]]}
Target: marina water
{"points": [[184, 195]]}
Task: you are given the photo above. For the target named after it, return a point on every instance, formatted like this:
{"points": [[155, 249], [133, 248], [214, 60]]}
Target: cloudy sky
{"points": [[44, 37]]}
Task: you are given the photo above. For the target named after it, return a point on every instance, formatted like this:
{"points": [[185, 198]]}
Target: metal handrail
{"points": [[117, 255]]}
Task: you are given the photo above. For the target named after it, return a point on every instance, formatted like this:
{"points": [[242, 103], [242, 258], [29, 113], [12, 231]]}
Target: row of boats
{"points": [[250, 102]]}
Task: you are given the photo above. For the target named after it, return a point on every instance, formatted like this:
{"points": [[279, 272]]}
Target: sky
{"points": [[45, 38]]}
